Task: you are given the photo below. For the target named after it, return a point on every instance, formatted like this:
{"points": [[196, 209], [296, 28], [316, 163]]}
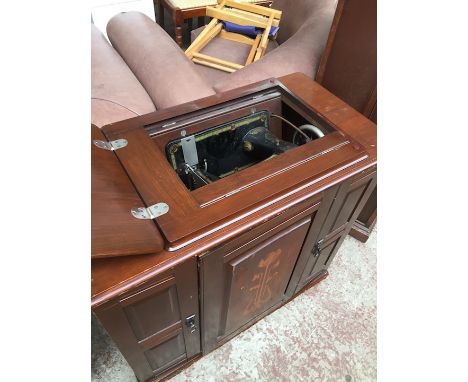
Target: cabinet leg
{"points": [[364, 224]]}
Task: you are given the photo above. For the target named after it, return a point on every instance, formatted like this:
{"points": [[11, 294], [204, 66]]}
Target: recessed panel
{"points": [[166, 354], [349, 205], [153, 314]]}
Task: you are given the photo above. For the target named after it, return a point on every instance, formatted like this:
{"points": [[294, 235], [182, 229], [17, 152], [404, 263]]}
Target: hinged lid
{"points": [[114, 231], [194, 214]]}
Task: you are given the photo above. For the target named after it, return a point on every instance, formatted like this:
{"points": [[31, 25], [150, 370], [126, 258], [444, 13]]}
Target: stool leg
{"points": [[178, 21], [178, 35]]}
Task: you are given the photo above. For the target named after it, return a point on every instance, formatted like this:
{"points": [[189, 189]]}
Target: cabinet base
{"points": [[172, 373], [322, 275], [361, 232]]}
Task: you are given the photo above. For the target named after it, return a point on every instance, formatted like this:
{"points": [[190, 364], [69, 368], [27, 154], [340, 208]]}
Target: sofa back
{"points": [[168, 76], [297, 12]]}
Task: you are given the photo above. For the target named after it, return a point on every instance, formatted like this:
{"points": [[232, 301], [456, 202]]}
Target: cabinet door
{"points": [[244, 284], [149, 325], [320, 257], [339, 209]]}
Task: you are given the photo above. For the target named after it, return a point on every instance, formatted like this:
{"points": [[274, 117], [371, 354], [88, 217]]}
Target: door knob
{"points": [[317, 248]]}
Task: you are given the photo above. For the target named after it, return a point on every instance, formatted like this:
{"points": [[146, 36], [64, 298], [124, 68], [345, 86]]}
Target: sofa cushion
{"points": [[116, 93], [168, 76], [226, 50]]}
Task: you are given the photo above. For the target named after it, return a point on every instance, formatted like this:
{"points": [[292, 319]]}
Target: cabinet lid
{"points": [[114, 230], [192, 215]]}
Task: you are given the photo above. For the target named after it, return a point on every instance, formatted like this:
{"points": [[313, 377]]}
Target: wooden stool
{"points": [[242, 14], [181, 10]]}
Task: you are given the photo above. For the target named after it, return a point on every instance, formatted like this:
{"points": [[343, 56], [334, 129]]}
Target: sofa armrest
{"points": [[116, 93], [168, 76]]}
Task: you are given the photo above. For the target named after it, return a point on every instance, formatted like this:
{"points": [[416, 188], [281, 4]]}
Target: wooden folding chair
{"points": [[244, 14]]}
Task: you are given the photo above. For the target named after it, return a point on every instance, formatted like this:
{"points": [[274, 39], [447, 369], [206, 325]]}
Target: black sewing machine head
{"points": [[218, 152]]}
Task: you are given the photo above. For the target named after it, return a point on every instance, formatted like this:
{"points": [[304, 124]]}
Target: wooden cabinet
{"points": [[245, 283], [170, 284], [253, 275], [348, 68], [156, 326], [339, 208]]}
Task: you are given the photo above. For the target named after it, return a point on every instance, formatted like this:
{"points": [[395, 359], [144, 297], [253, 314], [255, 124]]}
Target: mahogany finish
{"points": [[252, 250], [202, 209], [149, 322], [339, 207], [245, 278], [114, 231], [348, 69]]}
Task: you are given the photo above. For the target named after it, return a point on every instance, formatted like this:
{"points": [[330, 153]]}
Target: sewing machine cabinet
{"points": [[173, 288]]}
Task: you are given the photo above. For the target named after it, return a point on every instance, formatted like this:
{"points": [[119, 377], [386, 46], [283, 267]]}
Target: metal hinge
{"points": [[317, 248], [112, 145], [151, 212]]}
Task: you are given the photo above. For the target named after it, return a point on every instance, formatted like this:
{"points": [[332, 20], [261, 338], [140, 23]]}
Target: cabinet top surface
{"points": [[203, 218]]}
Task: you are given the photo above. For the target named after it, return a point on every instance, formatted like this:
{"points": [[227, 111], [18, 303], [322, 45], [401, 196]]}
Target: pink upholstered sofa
{"points": [[145, 70]]}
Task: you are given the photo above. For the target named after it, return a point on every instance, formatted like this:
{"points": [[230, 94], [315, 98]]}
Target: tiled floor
{"points": [[326, 334]]}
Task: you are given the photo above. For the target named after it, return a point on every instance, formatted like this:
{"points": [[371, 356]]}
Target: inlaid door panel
{"points": [[243, 284], [258, 278], [148, 325]]}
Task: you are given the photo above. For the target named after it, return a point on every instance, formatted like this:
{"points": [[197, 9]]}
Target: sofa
{"points": [[145, 70]]}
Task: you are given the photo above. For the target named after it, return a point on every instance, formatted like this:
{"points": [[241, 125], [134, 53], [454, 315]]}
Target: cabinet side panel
{"points": [[116, 324], [148, 324], [167, 354], [146, 316], [350, 203]]}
